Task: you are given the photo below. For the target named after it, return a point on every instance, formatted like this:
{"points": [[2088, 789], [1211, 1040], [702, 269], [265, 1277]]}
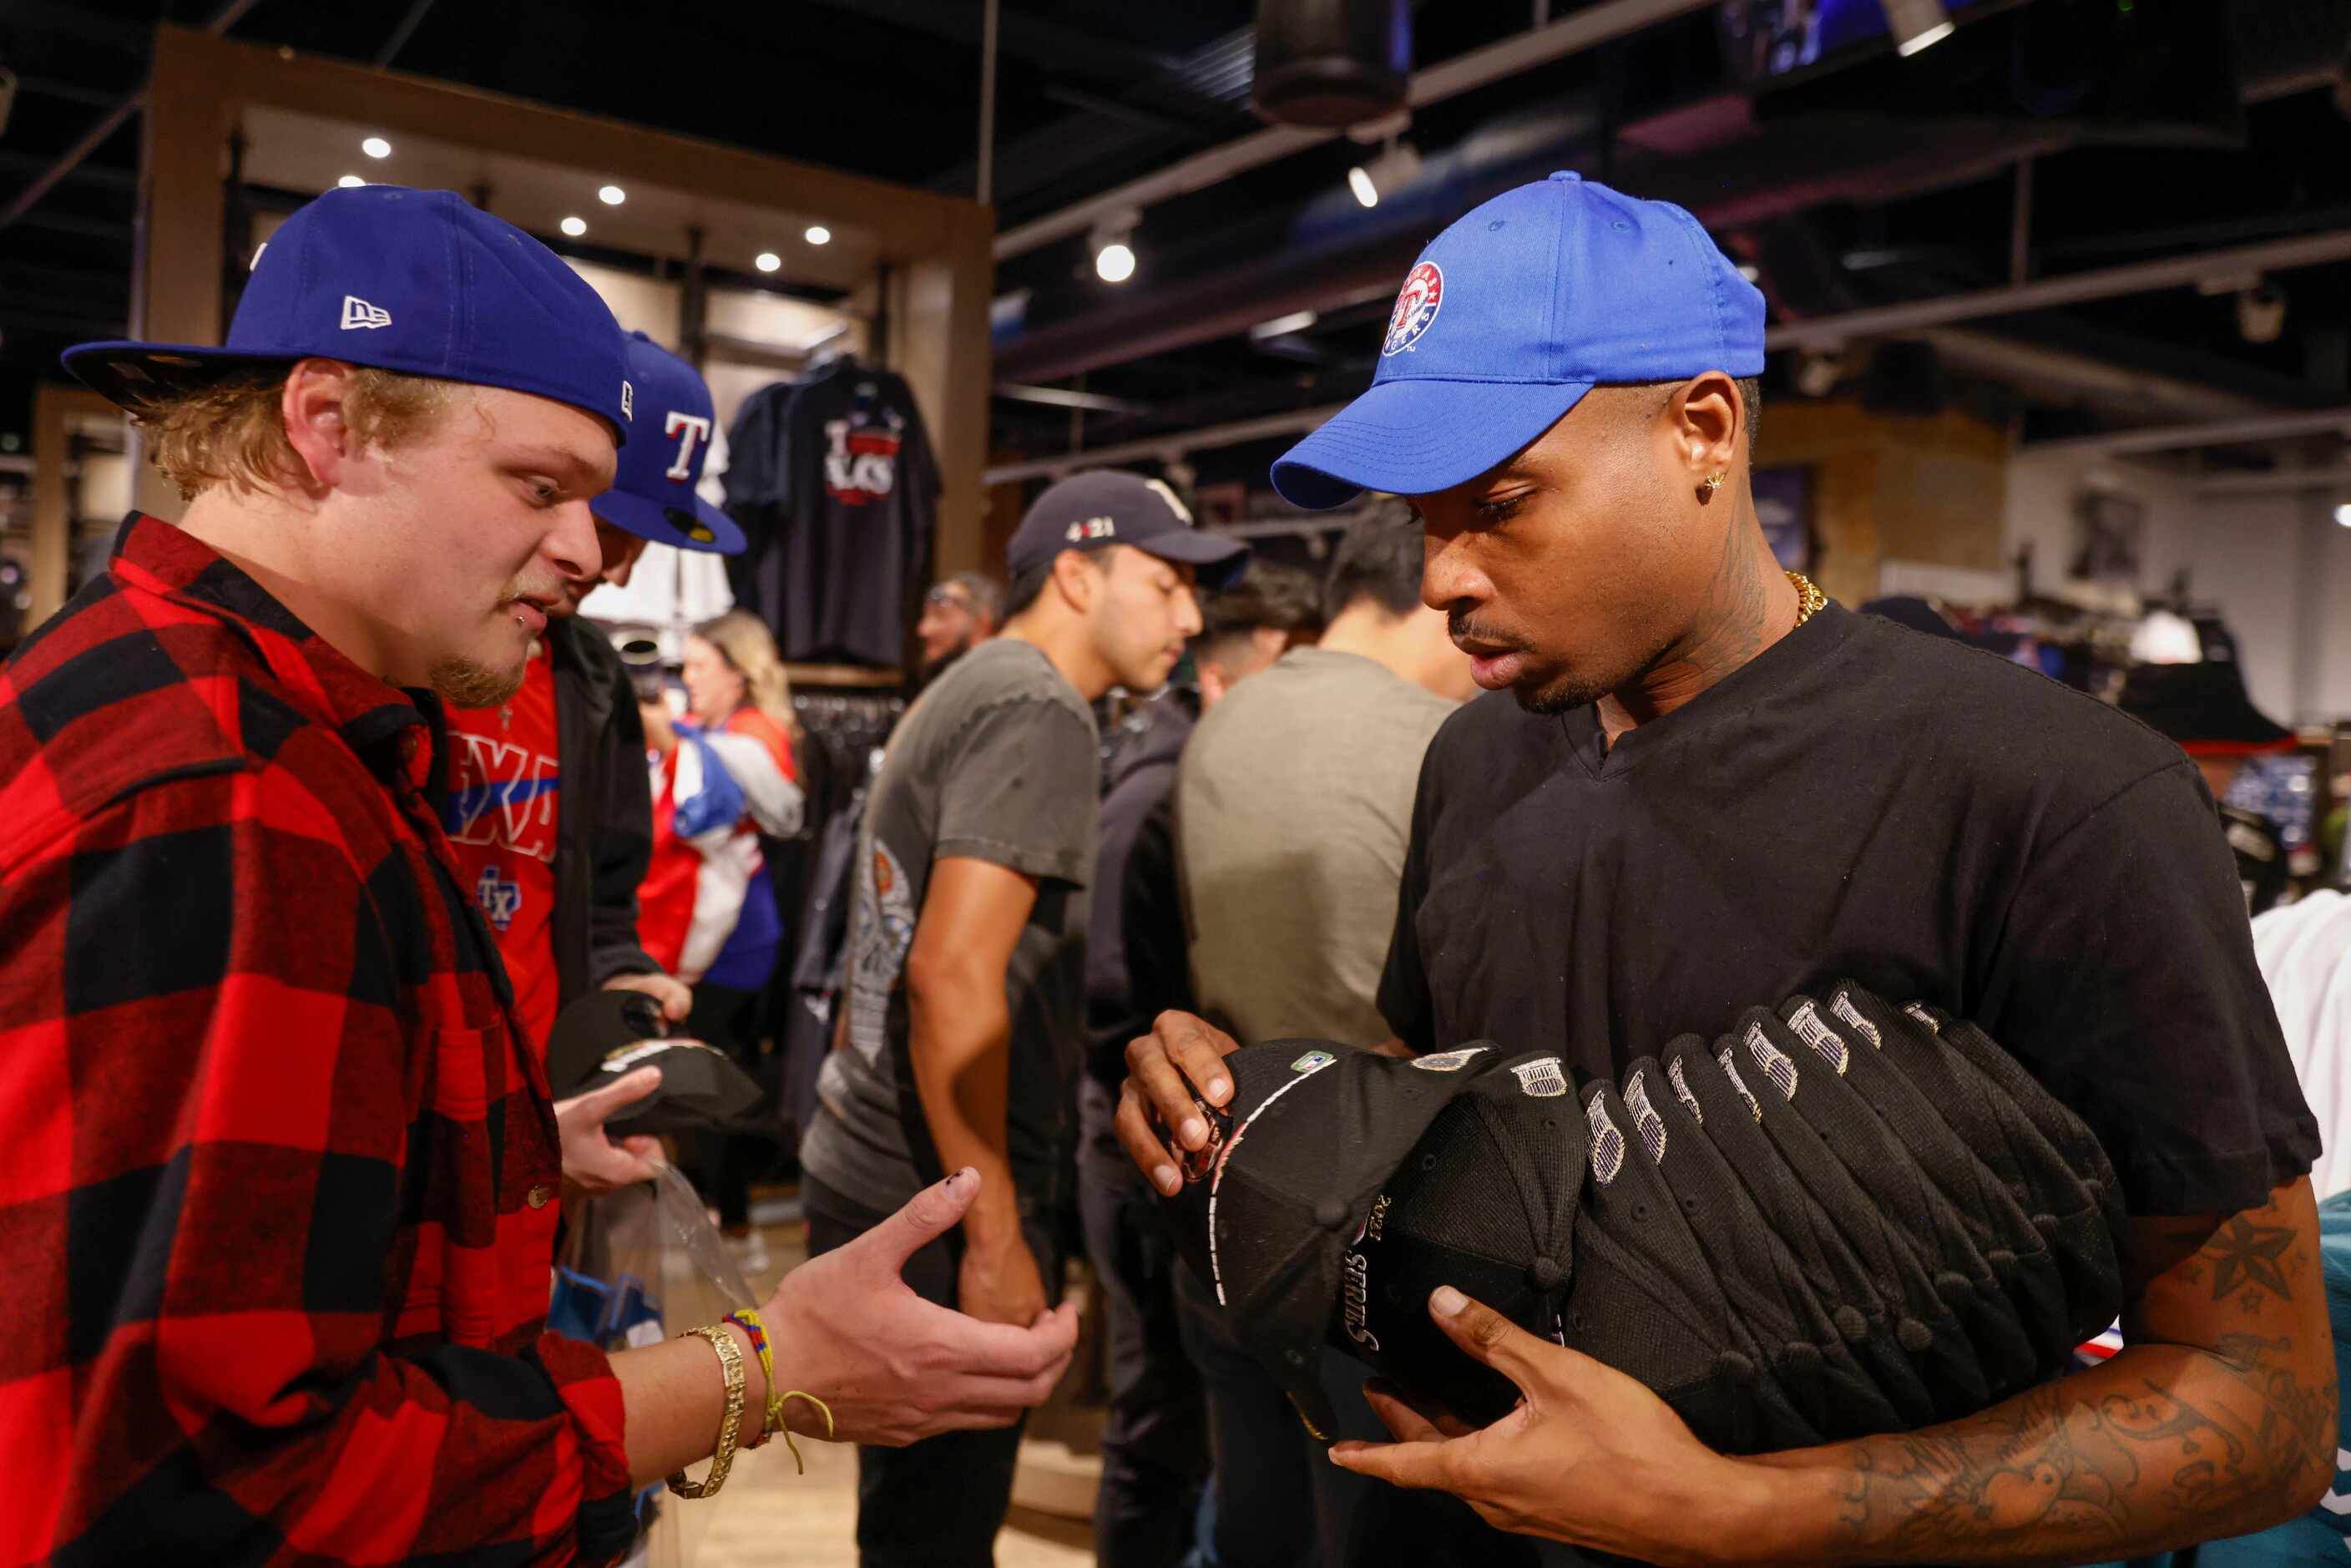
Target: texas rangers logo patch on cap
{"points": [[1415, 307]]}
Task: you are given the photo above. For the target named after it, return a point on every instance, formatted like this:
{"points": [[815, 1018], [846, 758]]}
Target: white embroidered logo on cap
{"points": [[1730, 1060], [689, 428], [1682, 1090], [1645, 1119], [1607, 1142], [1774, 1061], [1544, 1079], [1826, 1043], [628, 402], [1415, 307], [1918, 1011], [1448, 1061], [1092, 528], [359, 313], [1842, 1005]]}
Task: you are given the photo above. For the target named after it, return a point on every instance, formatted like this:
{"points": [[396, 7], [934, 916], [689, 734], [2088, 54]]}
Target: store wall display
{"points": [[832, 477]]}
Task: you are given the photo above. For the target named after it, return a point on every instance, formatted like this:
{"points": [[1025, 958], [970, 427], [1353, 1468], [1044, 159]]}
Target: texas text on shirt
{"points": [[250, 1316], [506, 775]]}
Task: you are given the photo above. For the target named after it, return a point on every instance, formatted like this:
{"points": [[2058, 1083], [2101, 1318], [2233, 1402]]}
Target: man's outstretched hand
{"points": [[892, 1367], [1588, 1457]]}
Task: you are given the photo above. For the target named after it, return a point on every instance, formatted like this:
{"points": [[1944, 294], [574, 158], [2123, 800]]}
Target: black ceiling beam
{"points": [[1042, 43], [81, 21], [84, 173], [65, 91]]}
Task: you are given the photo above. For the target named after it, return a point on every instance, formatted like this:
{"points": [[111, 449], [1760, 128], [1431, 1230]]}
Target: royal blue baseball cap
{"points": [[653, 494], [417, 281], [1508, 317]]}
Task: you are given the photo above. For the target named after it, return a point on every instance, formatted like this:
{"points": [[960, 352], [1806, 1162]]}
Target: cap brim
{"points": [[128, 374], [1416, 437], [703, 528], [1218, 559]]}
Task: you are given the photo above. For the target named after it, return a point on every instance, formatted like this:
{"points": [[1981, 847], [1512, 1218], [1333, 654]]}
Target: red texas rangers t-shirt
{"points": [[503, 776]]}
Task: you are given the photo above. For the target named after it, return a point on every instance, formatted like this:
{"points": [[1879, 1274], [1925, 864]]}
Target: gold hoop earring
{"points": [[1713, 482]]}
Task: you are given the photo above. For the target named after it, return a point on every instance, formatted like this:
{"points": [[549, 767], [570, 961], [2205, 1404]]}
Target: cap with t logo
{"points": [[416, 281], [653, 494], [1508, 317]]}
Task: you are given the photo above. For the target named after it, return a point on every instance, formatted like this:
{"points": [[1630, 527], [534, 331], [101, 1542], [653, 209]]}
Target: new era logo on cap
{"points": [[359, 313]]}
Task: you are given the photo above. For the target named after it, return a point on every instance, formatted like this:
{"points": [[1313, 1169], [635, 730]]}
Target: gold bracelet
{"points": [[730, 1363]]}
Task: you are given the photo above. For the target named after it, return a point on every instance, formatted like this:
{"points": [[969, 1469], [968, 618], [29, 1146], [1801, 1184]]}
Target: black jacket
{"points": [[605, 822], [1138, 961]]}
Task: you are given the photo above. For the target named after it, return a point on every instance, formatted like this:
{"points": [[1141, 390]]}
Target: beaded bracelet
{"points": [[748, 1318]]}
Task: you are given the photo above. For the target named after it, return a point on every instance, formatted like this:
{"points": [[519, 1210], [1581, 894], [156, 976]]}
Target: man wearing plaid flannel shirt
{"points": [[282, 1183]]}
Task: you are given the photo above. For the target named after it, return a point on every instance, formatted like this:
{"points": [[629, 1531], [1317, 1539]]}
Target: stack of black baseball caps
{"points": [[1840, 1217]]}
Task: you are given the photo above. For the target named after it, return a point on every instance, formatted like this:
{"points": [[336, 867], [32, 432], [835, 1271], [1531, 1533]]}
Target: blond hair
{"points": [[231, 430], [744, 640]]}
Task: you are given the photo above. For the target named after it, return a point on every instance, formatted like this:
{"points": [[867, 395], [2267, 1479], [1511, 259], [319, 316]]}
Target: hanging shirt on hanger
{"points": [[833, 480]]}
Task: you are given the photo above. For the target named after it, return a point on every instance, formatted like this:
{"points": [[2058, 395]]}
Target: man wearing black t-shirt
{"points": [[1709, 788]]}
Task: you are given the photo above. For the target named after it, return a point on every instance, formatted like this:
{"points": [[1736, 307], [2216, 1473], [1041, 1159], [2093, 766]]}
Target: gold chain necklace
{"points": [[1808, 598]]}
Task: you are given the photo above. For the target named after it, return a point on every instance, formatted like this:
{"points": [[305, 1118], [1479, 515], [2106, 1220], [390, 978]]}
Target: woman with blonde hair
{"points": [[722, 775]]}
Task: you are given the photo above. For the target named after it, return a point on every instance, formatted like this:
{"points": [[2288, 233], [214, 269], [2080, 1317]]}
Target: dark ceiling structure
{"points": [[2074, 216]]}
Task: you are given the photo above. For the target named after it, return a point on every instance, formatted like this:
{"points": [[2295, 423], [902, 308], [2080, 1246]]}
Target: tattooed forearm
{"points": [[2169, 1443]]}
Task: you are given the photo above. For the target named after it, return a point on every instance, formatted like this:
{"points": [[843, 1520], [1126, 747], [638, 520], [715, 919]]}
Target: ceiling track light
{"points": [[1916, 25], [1111, 243], [1398, 166]]}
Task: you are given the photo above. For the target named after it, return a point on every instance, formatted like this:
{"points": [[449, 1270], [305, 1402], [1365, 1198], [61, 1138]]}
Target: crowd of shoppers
{"points": [[321, 806]]}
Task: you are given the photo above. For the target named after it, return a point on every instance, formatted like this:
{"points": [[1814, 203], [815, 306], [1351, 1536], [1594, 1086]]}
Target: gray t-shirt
{"points": [[995, 763], [1293, 807]]}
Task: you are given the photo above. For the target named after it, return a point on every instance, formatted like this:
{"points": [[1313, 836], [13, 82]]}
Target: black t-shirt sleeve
{"points": [[2123, 978], [1405, 1000]]}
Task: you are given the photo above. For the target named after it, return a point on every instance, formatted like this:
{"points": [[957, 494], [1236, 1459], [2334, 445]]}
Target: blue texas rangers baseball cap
{"points": [[653, 494], [1508, 317], [416, 281]]}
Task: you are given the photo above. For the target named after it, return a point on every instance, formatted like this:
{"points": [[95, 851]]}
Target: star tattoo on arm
{"points": [[2245, 1255]]}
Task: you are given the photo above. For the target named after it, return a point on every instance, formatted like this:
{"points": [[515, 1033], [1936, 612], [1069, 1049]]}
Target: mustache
{"points": [[1462, 629]]}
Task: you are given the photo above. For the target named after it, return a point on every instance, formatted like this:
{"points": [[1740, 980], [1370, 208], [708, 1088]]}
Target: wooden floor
{"points": [[768, 1516]]}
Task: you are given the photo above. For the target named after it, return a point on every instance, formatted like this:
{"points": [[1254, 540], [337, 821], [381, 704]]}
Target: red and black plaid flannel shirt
{"points": [[278, 1195]]}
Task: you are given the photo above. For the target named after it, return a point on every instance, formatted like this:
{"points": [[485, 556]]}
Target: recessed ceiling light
{"points": [[612, 195], [348, 181], [766, 261], [1114, 263], [376, 147], [575, 227], [818, 234]]}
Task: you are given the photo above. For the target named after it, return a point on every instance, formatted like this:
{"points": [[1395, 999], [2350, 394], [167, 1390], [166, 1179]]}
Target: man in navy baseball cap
{"points": [[1105, 508], [263, 1054], [1708, 783]]}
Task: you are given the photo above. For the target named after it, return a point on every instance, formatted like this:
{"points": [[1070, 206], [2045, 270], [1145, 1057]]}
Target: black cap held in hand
{"points": [[1485, 1202], [1648, 1302], [605, 1035], [1314, 1129]]}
